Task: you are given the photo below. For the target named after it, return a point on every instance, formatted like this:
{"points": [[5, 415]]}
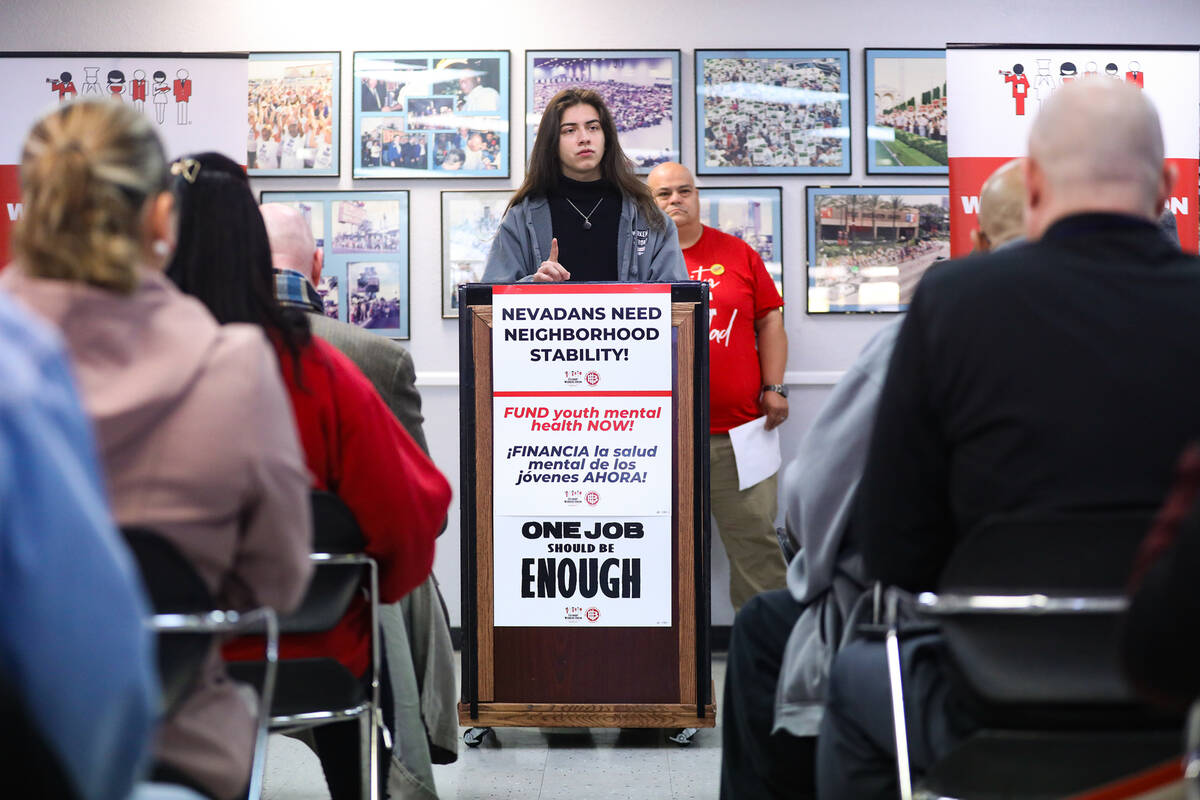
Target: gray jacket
{"points": [[826, 578], [386, 364], [648, 255]]}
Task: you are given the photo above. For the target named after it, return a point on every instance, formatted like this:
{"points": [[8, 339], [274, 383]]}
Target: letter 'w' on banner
{"points": [[996, 92], [582, 444]]}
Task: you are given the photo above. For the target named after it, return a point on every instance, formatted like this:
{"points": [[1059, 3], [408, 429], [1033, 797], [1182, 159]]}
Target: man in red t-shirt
{"points": [[747, 353]]}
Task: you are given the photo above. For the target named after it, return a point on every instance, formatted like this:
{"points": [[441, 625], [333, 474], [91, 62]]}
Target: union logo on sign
{"points": [[593, 378], [592, 498], [593, 614]]}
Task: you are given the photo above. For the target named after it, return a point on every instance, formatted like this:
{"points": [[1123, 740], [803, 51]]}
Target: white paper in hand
{"points": [[756, 451]]}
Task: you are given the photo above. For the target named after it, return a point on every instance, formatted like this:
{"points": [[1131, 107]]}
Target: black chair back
{"points": [[174, 587], [333, 586], [1036, 659], [335, 530]]}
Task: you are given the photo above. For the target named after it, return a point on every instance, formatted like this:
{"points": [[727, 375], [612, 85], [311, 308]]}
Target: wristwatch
{"points": [[776, 387]]}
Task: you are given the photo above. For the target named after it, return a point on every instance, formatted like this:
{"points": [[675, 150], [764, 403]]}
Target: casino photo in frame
{"points": [[869, 246], [640, 88], [431, 114], [365, 277], [292, 113], [772, 111], [906, 112], [753, 214], [469, 223]]}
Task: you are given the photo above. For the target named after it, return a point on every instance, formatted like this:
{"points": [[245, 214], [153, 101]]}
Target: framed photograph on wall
{"points": [[365, 277], [469, 223], [869, 245], [906, 112], [640, 88], [292, 114], [753, 214], [784, 112], [431, 114]]}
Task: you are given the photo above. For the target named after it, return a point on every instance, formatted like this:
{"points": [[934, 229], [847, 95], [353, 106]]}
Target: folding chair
{"points": [[311, 692], [186, 625], [1028, 608]]}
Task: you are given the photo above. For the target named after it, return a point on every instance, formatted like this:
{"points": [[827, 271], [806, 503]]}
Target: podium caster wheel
{"points": [[475, 736], [684, 737]]}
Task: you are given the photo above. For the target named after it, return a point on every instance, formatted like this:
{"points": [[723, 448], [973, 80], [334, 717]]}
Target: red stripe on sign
{"points": [[588, 393], [967, 175], [1138, 784], [583, 288], [10, 203]]}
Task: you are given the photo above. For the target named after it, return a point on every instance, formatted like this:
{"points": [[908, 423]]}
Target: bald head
{"points": [[1001, 206], [292, 244], [674, 189], [1096, 145]]}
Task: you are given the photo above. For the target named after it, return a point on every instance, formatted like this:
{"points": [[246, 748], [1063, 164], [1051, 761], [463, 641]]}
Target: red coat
{"points": [[356, 449]]}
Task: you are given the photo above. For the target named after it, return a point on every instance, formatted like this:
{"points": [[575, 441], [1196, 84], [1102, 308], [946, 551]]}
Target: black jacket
{"points": [[1057, 375]]}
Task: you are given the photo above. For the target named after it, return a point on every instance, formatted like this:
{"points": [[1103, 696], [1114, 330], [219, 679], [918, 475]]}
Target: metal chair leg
{"points": [[904, 775]]}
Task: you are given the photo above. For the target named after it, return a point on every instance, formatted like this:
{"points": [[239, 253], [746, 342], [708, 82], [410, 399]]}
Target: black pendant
{"points": [[587, 226]]}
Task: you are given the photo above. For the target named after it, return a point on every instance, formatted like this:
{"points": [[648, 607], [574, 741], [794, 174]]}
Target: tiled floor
{"points": [[545, 764]]}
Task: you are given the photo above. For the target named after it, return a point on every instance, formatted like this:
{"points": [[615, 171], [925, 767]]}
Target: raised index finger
{"points": [[553, 250]]}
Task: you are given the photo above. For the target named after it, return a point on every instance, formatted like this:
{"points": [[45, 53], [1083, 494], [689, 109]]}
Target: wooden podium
{"points": [[576, 675]]}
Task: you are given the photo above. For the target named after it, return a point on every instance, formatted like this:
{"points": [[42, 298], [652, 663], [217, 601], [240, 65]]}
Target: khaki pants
{"points": [[746, 522]]}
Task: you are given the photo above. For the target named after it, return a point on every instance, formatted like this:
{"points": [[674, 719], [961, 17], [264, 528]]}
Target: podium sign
{"points": [[585, 549], [581, 381]]}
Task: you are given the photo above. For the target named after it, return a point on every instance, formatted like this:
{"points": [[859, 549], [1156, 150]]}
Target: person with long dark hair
{"points": [[582, 214], [353, 445]]}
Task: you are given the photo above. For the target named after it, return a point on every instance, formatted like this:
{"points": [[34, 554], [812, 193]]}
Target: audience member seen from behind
{"points": [[1001, 209], [354, 447], [191, 417], [1002, 399], [783, 642], [80, 663], [581, 213]]}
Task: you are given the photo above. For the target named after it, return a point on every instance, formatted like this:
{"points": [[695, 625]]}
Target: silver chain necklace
{"points": [[587, 223]]}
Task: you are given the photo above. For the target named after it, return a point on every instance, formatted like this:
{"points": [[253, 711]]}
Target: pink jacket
{"points": [[198, 443]]}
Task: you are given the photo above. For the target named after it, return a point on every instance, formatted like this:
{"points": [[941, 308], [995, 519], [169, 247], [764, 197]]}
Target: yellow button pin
{"points": [[717, 269]]}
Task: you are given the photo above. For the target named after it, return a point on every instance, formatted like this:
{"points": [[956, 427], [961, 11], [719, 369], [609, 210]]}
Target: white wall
{"points": [[820, 347]]}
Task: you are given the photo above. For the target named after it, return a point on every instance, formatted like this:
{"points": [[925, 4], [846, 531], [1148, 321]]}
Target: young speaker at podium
{"points": [[582, 214]]}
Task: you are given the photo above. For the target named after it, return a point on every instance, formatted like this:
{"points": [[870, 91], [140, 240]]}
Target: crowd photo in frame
{"points": [[427, 114], [906, 111], [640, 88], [293, 107], [470, 220], [753, 214], [364, 236], [773, 111], [868, 246]]}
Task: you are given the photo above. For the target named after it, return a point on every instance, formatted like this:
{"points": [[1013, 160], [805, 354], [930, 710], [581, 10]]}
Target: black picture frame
{"points": [[744, 101], [842, 258]]}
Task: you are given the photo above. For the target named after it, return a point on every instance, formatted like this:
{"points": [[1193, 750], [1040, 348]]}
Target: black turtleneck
{"points": [[588, 254]]}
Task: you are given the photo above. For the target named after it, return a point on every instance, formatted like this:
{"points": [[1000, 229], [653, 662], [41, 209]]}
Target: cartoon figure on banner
{"points": [[137, 89], [160, 91], [64, 86], [1110, 69], [1020, 86], [183, 93], [91, 80], [1044, 85], [116, 84], [1135, 75], [1090, 70], [1067, 73]]}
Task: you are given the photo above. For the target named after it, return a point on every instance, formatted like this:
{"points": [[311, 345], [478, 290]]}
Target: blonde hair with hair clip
{"points": [[88, 169]]}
